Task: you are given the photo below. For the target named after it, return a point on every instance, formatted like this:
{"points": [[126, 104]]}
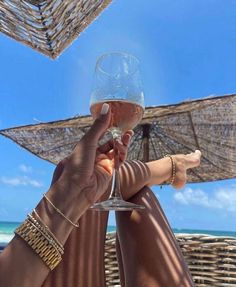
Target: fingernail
{"points": [[105, 109]]}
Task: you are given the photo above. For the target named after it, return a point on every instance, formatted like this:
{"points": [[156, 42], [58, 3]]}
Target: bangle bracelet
{"points": [[173, 169], [60, 212]]}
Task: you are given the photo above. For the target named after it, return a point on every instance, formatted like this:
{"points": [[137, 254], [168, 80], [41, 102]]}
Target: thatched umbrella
{"points": [[48, 26], [207, 124]]}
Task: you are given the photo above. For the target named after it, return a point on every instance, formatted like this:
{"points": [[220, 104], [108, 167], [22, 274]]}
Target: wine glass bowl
{"points": [[117, 77]]}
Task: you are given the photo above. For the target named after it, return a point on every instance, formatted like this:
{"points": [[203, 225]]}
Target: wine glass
{"points": [[117, 82]]}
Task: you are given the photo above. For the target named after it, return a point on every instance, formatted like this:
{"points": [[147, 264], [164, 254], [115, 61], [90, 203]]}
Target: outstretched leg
{"points": [[150, 253]]}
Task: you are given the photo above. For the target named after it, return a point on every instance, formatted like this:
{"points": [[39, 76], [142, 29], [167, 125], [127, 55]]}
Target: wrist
{"points": [[72, 205], [72, 198]]}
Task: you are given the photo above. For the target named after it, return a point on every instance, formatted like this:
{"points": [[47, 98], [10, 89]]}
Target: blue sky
{"points": [[187, 50]]}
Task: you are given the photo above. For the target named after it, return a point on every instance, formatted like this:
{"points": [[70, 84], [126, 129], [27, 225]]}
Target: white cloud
{"points": [[20, 181], [224, 198], [191, 196], [25, 168]]}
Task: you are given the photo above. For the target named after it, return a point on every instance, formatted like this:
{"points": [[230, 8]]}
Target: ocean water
{"points": [[7, 231]]}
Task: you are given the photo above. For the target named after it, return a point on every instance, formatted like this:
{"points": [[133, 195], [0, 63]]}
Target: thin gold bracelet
{"points": [[60, 212], [173, 167]]}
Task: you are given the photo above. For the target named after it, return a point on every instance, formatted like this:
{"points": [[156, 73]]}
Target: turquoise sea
{"points": [[7, 231]]}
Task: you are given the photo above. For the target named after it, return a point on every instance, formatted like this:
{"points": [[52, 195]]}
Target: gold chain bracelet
{"points": [[60, 212]]}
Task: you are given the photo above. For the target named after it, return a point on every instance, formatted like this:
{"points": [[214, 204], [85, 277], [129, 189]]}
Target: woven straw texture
{"points": [[208, 125], [48, 26], [211, 259]]}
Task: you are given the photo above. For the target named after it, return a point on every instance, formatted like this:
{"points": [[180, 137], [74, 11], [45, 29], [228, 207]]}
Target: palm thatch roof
{"points": [[48, 26], [207, 124]]}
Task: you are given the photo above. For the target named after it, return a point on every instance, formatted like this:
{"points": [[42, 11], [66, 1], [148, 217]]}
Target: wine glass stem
{"points": [[115, 186]]}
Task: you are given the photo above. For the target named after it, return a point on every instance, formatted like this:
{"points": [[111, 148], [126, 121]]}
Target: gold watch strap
{"points": [[42, 244]]}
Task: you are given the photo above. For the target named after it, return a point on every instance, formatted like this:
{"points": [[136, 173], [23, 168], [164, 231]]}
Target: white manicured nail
{"points": [[198, 151], [105, 109]]}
